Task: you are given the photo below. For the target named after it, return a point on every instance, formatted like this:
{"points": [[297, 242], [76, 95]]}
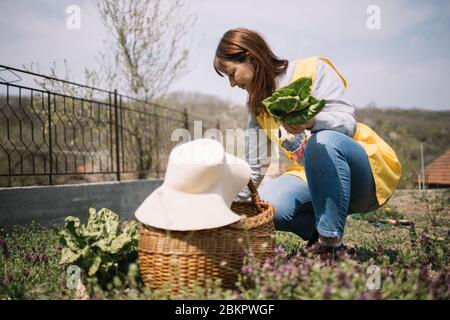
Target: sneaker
{"points": [[332, 252], [314, 239]]}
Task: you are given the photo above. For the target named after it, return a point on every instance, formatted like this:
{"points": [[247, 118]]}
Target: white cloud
{"points": [[420, 85], [33, 36], [329, 19], [416, 40], [447, 10], [36, 31]]}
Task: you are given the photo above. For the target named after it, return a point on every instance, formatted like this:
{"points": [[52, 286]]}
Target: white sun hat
{"points": [[200, 184]]}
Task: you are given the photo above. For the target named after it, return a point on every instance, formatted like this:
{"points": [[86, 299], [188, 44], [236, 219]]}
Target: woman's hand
{"points": [[299, 128]]}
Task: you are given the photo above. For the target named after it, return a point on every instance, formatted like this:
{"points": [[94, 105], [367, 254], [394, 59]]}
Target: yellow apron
{"points": [[386, 168]]}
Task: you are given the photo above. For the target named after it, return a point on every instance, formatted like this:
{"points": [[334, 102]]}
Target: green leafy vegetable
{"points": [[100, 244], [294, 103]]}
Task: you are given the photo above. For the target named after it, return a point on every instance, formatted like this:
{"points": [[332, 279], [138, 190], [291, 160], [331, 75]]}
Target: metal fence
{"points": [[89, 134]]}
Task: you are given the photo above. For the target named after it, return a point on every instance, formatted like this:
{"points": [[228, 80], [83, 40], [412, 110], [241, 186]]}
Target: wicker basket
{"points": [[181, 259]]}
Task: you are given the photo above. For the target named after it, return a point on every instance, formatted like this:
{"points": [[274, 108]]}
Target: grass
{"points": [[413, 262]]}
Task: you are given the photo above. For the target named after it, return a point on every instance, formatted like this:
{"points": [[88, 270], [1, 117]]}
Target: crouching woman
{"points": [[346, 168]]}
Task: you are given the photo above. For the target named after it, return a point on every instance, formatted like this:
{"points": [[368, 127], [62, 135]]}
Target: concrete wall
{"points": [[51, 204]]}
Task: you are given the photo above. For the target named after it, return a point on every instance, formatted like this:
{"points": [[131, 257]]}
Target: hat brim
{"points": [[170, 209]]}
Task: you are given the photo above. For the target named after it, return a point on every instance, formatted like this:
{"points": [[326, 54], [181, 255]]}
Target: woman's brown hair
{"points": [[241, 45]]}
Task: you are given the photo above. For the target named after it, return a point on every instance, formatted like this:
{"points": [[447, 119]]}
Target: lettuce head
{"points": [[294, 103]]}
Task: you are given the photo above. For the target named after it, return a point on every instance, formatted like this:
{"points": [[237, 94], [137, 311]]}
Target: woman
{"points": [[347, 167]]}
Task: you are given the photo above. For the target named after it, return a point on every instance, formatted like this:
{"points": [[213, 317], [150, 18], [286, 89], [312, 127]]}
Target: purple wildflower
{"points": [[279, 251], [327, 293], [247, 269], [5, 281]]}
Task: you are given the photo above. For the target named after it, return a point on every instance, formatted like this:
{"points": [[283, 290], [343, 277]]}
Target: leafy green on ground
{"points": [[100, 245], [413, 262]]}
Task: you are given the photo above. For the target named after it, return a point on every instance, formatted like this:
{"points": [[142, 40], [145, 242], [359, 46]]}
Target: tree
{"points": [[145, 52], [142, 57]]}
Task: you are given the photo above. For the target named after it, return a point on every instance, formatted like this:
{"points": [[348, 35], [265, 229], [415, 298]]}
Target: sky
{"points": [[403, 63]]}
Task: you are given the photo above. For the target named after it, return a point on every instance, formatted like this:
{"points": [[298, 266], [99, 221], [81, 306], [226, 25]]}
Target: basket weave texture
{"points": [[183, 259]]}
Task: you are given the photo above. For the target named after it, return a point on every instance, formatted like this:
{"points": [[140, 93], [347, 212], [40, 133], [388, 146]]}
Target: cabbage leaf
{"points": [[294, 103]]}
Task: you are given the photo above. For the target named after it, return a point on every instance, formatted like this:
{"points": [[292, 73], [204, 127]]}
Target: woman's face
{"points": [[239, 73]]}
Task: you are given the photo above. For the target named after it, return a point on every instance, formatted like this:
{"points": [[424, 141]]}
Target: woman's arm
{"points": [[338, 113], [257, 146]]}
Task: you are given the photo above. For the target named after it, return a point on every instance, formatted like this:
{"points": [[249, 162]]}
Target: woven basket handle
{"points": [[255, 196]]}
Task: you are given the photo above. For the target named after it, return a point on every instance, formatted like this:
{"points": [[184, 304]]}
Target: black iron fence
{"points": [[77, 133]]}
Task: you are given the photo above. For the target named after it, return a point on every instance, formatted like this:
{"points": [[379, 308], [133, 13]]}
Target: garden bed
{"points": [[413, 263]]}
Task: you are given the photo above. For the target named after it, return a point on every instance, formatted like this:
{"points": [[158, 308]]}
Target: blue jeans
{"points": [[340, 182]]}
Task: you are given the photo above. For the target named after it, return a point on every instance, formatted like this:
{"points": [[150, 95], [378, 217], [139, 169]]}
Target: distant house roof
{"points": [[438, 172]]}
